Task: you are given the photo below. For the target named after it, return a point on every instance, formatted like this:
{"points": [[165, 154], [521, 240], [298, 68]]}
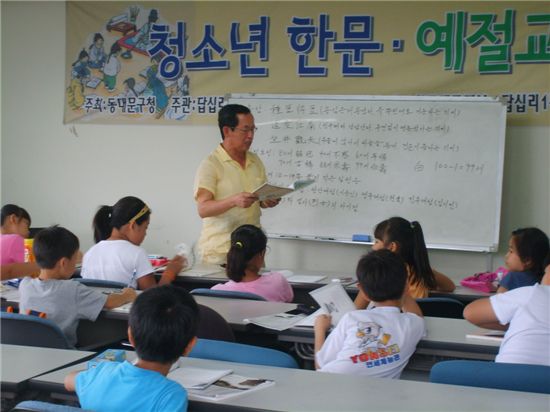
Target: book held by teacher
{"points": [[269, 191]]}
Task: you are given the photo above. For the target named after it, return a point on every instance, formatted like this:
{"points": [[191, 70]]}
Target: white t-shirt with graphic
{"points": [[527, 310], [373, 342], [116, 260]]}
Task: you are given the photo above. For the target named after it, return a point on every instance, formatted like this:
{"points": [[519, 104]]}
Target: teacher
{"points": [[224, 184]]}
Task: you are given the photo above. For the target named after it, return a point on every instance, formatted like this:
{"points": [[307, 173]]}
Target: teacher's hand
{"points": [[270, 203], [244, 199]]}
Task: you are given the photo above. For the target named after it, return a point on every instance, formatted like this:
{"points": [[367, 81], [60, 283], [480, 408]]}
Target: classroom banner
{"points": [[175, 62]]}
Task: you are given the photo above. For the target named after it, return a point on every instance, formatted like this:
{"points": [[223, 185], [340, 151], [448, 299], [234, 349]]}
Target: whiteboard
{"points": [[435, 159]]}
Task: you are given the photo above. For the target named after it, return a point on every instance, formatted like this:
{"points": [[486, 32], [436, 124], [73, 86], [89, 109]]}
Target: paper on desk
{"points": [[309, 321], [492, 335], [279, 321], [293, 278], [197, 378]]}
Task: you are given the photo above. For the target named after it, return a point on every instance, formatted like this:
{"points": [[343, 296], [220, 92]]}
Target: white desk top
{"points": [[304, 390], [20, 363]]}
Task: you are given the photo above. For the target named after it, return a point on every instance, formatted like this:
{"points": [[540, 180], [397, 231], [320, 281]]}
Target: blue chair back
{"points": [[495, 375], [39, 406], [28, 330], [100, 283], [441, 307], [226, 294], [239, 352]]}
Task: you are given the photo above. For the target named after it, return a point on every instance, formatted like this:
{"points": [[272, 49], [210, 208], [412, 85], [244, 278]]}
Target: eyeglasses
{"points": [[246, 130]]}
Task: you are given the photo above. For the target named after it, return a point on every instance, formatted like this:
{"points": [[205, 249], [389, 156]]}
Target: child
{"points": [[525, 313], [526, 251], [97, 52], [162, 327], [407, 240], [116, 256], [245, 259], [379, 341], [111, 67], [15, 223], [63, 301], [80, 74]]}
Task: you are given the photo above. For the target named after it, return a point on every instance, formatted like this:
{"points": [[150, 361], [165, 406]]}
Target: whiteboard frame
{"points": [[229, 98]]}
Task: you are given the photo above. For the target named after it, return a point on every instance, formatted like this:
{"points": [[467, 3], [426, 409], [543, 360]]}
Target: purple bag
{"points": [[485, 281]]}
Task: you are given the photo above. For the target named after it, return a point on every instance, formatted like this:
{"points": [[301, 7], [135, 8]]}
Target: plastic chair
{"points": [[495, 375], [226, 294], [239, 352], [39, 406], [100, 283], [213, 326], [441, 307], [28, 330]]}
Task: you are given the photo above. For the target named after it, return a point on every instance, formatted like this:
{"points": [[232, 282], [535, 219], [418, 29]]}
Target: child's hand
{"points": [[129, 294], [176, 264], [322, 323]]}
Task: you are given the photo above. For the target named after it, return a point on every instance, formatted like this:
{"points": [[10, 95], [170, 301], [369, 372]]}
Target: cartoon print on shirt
{"points": [[372, 343]]}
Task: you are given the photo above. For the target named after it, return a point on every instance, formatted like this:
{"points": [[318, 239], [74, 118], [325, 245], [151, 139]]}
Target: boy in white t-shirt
{"points": [[525, 315], [379, 341]]}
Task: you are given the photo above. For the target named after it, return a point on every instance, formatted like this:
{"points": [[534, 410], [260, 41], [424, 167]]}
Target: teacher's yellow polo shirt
{"points": [[224, 177]]}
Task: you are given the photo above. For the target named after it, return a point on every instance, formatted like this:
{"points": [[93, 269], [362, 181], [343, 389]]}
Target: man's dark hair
{"points": [[382, 274], [163, 321], [52, 244], [227, 116]]}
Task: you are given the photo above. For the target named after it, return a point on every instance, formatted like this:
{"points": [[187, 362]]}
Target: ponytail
{"points": [[102, 223], [246, 242], [422, 273], [126, 210]]}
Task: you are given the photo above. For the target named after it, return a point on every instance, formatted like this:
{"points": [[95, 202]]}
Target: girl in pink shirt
{"points": [[15, 228], [244, 262]]}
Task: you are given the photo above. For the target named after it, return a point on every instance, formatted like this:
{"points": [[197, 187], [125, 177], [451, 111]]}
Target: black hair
{"points": [[54, 243], [116, 216], [382, 275], [163, 321], [532, 246], [83, 53], [246, 242], [115, 48], [10, 209], [131, 83], [411, 247], [546, 260], [227, 116], [97, 37]]}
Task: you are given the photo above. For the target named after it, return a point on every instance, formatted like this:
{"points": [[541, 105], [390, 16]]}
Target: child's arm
{"points": [[115, 300], [18, 270], [173, 267], [480, 312], [322, 325], [443, 283], [501, 289], [70, 381], [409, 305]]}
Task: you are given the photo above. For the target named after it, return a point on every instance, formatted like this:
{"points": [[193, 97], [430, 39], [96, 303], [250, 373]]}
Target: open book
{"points": [[333, 300], [278, 321], [268, 191], [215, 385]]}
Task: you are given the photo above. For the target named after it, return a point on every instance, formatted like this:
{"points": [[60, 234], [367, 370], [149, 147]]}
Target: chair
{"points": [[226, 294], [39, 406], [239, 352], [509, 376], [28, 330], [441, 307], [100, 283], [213, 326]]}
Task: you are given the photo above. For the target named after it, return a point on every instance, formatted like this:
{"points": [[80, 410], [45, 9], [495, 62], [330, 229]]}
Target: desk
{"points": [[21, 363], [304, 390]]}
